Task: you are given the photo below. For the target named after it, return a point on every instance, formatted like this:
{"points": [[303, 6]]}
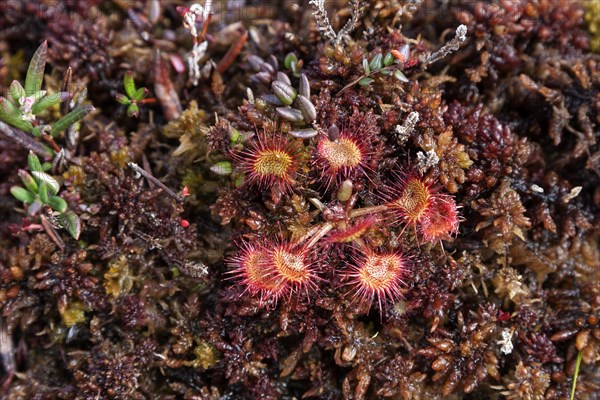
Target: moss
{"points": [[74, 313], [592, 17]]}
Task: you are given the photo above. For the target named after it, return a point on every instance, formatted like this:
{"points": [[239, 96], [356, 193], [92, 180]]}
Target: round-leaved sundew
{"points": [[268, 162], [342, 155], [250, 266], [293, 268], [378, 276]]}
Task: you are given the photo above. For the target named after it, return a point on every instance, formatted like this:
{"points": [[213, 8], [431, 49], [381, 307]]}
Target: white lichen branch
{"points": [[453, 45], [404, 131], [324, 26]]}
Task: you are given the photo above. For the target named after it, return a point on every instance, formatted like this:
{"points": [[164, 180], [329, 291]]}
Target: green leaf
{"points": [[16, 91], [121, 98], [43, 192], [140, 94], [34, 162], [365, 81], [11, 115], [34, 207], [234, 135], [40, 130], [133, 110], [70, 119], [129, 84], [8, 108], [46, 166], [22, 194], [385, 72], [35, 72], [376, 63], [365, 65], [57, 204], [37, 96], [575, 376], [222, 168], [28, 181], [49, 101], [289, 59], [400, 76], [49, 180], [72, 224], [388, 59]]}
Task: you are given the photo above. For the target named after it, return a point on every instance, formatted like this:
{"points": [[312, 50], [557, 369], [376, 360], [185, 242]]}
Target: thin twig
{"points": [[25, 140], [52, 233], [152, 179]]}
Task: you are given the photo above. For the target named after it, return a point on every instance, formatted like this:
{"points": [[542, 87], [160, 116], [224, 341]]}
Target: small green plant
{"points": [[391, 64], [132, 96], [41, 189], [25, 104]]}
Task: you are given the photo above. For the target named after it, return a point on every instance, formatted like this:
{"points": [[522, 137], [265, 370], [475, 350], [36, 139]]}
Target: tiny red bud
{"points": [[184, 223], [185, 191], [182, 10], [398, 56], [503, 316]]}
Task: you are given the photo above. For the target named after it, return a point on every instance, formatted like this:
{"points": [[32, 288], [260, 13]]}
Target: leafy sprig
{"points": [[41, 189], [391, 64], [26, 103], [133, 96]]}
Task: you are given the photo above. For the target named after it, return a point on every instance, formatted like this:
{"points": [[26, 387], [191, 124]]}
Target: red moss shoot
{"points": [[377, 276], [251, 267], [268, 162], [342, 155]]}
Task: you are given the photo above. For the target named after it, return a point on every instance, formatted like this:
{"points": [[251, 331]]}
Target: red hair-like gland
{"points": [[250, 266], [349, 156], [268, 162], [292, 268], [441, 221], [377, 275], [410, 198]]}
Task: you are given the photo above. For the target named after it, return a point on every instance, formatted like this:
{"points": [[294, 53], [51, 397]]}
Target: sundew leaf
{"points": [[35, 72], [70, 119]]}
